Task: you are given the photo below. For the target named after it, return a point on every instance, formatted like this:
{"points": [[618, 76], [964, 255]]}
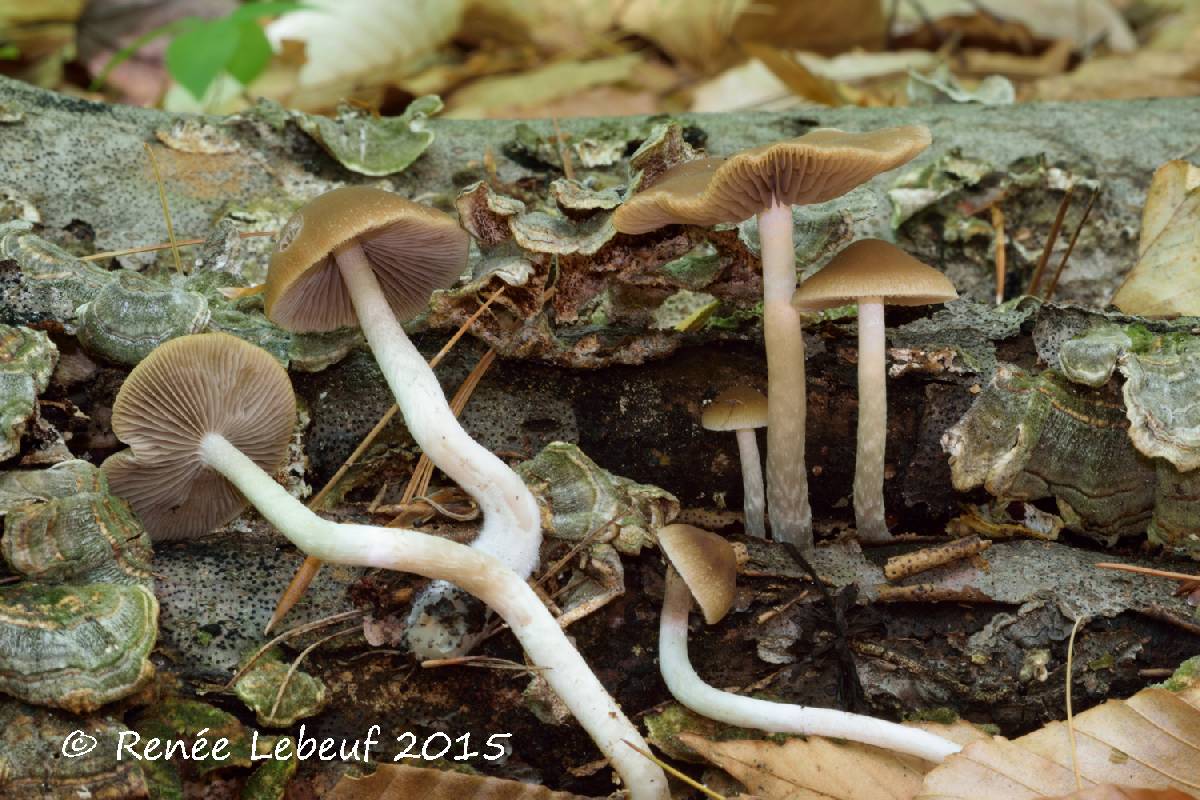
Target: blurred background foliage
{"points": [[561, 58]]}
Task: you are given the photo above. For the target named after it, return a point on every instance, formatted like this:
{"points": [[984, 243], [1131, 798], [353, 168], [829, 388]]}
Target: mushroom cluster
{"points": [[767, 181], [207, 418]]}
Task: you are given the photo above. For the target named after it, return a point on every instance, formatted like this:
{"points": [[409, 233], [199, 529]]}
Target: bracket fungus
{"points": [[872, 272], [703, 566], [363, 256], [743, 410], [767, 181], [187, 382]]}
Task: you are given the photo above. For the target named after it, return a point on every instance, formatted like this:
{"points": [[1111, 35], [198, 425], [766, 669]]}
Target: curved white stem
{"points": [[872, 423], [475, 571], [511, 529], [787, 476], [752, 483], [749, 712]]}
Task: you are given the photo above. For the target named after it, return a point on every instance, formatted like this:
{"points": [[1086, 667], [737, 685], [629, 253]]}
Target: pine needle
{"points": [[1070, 713], [166, 209]]}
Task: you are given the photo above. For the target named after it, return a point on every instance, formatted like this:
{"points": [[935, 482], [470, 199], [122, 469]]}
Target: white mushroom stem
{"points": [[752, 483], [872, 423], [511, 529], [787, 478], [477, 572], [749, 712]]}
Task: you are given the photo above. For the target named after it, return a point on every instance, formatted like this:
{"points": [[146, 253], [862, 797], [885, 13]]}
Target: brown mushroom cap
{"points": [[873, 268], [413, 249], [735, 409], [186, 388], [707, 564], [820, 165]]}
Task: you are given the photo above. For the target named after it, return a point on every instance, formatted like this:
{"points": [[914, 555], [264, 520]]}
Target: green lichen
{"points": [[1187, 676], [269, 782], [259, 687], [942, 715]]}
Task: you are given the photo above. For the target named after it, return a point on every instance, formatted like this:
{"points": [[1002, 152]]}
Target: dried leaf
{"points": [[1110, 792], [1081, 21], [694, 32], [1166, 278], [351, 42], [703, 33], [822, 769], [1151, 740], [509, 94], [403, 782], [1168, 189]]}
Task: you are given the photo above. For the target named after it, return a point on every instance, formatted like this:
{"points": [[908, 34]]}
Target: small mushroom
{"points": [[363, 256], [202, 395], [872, 272], [189, 390], [768, 180], [703, 566], [743, 410]]}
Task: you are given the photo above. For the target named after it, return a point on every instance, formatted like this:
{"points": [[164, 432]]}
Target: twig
{"points": [[483, 662], [674, 772], [912, 563], [150, 248], [1001, 255], [295, 665], [1070, 713], [1063, 207], [1070, 246], [1156, 573], [564, 154], [288, 634], [162, 196]]}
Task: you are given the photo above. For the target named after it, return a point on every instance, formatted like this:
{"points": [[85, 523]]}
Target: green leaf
{"points": [[197, 56], [252, 55], [256, 11]]}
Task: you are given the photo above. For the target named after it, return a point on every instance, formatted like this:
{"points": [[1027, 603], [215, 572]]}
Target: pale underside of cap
{"points": [[816, 167], [873, 268], [414, 251], [735, 409], [707, 564], [185, 389]]}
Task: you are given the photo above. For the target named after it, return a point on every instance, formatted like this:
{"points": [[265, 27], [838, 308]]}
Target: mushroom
{"points": [[768, 180], [204, 413], [703, 565], [360, 255], [872, 272], [742, 410]]}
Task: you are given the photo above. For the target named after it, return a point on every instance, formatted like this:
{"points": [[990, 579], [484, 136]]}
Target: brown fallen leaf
{"points": [[1151, 740], [1110, 792], [1166, 278], [403, 782], [822, 769]]}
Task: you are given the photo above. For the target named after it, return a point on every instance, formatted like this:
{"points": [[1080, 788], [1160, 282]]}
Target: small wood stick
{"points": [[930, 593], [1001, 256], [1070, 246], [1063, 207], [911, 563]]}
